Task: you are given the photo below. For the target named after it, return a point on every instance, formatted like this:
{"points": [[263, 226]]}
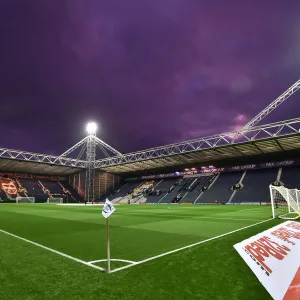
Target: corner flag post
{"points": [[107, 210], [108, 245]]}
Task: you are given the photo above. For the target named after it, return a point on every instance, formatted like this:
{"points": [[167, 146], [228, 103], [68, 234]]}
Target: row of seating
{"points": [[213, 188]]}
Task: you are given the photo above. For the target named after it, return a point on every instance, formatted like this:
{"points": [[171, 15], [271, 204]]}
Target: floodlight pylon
{"points": [[88, 145], [90, 168]]}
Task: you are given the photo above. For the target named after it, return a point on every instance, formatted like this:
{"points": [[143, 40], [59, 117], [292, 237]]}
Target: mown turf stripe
{"points": [[187, 247], [52, 250]]}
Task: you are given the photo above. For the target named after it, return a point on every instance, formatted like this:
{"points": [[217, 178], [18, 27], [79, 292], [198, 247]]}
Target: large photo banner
{"points": [[274, 257]]}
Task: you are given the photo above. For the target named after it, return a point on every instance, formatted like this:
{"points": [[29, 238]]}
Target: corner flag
{"points": [[108, 209]]}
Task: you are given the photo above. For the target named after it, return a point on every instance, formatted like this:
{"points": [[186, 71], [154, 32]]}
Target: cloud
{"points": [[151, 72]]}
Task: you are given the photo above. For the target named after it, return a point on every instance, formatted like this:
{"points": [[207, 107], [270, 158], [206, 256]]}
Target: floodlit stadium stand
{"points": [[177, 192], [209, 188], [256, 185], [122, 193], [220, 190], [164, 185], [196, 189]]}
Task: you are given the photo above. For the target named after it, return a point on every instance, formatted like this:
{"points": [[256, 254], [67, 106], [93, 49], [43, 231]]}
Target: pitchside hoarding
{"points": [[274, 257]]}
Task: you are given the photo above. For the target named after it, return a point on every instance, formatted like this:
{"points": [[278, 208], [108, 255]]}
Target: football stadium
{"points": [[179, 212]]}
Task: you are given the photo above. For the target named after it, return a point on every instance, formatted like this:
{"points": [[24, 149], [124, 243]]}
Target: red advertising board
{"points": [[274, 257]]}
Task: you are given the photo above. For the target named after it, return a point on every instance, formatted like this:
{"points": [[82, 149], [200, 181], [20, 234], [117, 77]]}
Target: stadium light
{"points": [[91, 128]]}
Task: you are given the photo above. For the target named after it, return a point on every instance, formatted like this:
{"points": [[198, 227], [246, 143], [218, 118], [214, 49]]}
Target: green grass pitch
{"points": [[139, 233]]}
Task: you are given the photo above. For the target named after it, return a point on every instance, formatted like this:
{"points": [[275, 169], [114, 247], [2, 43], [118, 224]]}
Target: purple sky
{"points": [[151, 72]]}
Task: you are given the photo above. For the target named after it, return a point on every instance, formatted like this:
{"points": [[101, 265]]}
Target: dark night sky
{"points": [[151, 72]]}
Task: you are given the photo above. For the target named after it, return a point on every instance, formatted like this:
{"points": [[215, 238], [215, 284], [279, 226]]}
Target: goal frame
{"points": [[292, 203], [20, 198], [57, 200]]}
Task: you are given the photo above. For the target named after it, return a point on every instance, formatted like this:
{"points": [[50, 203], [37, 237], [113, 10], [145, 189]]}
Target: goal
{"points": [[285, 202], [55, 200], [25, 200]]}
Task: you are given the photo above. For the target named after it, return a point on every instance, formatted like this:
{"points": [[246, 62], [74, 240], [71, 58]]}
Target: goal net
{"points": [[285, 202], [55, 200], [25, 200]]}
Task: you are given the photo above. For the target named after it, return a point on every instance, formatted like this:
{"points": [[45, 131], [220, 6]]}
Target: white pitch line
{"points": [[112, 259], [254, 208], [246, 209], [235, 219], [186, 247], [52, 250]]}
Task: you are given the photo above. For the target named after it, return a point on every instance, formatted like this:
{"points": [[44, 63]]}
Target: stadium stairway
{"points": [[220, 190], [53, 187], [164, 186], [139, 194], [153, 197], [120, 195], [69, 189], [178, 191], [290, 177], [32, 187], [110, 192], [57, 190], [196, 189], [256, 186], [22, 192]]}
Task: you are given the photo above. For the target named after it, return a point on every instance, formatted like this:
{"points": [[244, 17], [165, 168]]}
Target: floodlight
{"points": [[91, 128]]}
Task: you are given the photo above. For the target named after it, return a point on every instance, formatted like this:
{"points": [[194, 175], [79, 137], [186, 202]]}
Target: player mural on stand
{"points": [[9, 187]]}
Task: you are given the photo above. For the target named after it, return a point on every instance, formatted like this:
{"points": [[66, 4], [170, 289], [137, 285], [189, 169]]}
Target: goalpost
{"points": [[25, 200], [285, 202], [55, 200]]}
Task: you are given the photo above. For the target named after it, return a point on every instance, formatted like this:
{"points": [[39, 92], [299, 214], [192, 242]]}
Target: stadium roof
{"points": [[28, 162], [271, 138], [277, 137]]}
